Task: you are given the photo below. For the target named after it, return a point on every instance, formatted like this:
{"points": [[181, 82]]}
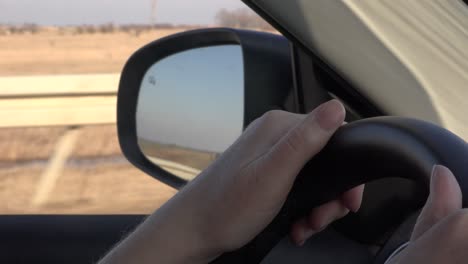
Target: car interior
{"points": [[400, 68]]}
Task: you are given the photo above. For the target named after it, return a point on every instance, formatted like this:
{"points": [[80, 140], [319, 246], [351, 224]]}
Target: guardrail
{"points": [[62, 100]]}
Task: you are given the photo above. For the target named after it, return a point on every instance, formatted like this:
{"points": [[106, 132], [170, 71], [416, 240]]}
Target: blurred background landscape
{"points": [[59, 152]]}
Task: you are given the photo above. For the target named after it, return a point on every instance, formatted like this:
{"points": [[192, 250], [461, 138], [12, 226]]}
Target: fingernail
{"points": [[301, 240], [435, 177], [320, 226], [330, 115], [352, 204], [305, 234], [434, 173], [301, 243], [353, 209], [438, 173]]}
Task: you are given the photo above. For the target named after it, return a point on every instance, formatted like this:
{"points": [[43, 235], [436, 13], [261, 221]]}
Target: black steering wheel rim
{"points": [[364, 151]]}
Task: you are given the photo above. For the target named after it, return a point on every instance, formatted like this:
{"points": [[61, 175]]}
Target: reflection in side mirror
{"points": [[191, 108], [185, 98]]}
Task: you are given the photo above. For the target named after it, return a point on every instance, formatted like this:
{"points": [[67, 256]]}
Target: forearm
{"points": [[167, 236]]}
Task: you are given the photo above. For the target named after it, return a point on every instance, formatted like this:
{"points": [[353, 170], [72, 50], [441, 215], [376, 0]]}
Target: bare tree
{"points": [[153, 11], [241, 18], [107, 28], [226, 18], [30, 28]]}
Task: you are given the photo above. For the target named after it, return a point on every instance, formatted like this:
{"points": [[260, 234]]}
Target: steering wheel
{"points": [[360, 152]]}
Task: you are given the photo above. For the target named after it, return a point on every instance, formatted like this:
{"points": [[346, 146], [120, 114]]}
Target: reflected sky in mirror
{"points": [[194, 99]]}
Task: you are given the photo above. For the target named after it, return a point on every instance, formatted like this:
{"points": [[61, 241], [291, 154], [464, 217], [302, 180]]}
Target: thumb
{"points": [[445, 198], [307, 138]]}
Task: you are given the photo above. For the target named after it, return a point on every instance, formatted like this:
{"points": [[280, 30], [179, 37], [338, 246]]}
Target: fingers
{"points": [[324, 215], [445, 198], [301, 231], [352, 199], [317, 220], [307, 138], [296, 148]]}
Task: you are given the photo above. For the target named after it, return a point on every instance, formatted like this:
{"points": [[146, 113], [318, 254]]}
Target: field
{"points": [[54, 52], [96, 179], [198, 160]]}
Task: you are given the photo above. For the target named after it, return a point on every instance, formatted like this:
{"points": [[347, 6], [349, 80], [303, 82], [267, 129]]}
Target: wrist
{"points": [[182, 236], [167, 236]]}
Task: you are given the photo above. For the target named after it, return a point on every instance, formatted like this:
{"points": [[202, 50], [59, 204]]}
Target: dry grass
{"points": [[51, 52]]}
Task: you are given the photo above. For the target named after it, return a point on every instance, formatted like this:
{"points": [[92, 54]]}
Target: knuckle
{"points": [[271, 116], [460, 219], [295, 140], [457, 223], [253, 124], [267, 120]]}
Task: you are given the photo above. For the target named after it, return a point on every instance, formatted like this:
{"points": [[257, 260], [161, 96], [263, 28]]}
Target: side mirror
{"points": [[184, 99]]}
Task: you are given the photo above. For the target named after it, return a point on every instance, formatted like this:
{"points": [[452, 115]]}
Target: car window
{"points": [[59, 72]]}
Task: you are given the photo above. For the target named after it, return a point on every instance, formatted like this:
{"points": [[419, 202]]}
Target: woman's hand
{"points": [[441, 232], [233, 200]]}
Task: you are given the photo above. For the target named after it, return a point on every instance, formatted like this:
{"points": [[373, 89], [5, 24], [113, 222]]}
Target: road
{"points": [[182, 171]]}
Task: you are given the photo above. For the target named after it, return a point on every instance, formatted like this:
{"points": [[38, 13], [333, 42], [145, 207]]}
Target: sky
{"points": [[194, 99], [69, 12]]}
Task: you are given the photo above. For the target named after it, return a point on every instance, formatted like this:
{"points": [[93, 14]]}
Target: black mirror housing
{"points": [[268, 82]]}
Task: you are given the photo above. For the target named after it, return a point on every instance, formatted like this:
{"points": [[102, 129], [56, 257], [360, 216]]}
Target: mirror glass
{"points": [[191, 108]]}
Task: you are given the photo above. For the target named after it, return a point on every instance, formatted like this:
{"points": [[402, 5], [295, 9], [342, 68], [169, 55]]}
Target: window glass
{"points": [[59, 72]]}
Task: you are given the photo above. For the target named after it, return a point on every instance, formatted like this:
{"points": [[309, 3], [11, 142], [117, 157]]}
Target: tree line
{"points": [[109, 28], [237, 18]]}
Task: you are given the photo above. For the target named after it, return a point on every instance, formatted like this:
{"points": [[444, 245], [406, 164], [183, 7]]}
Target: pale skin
{"points": [[441, 232], [234, 199]]}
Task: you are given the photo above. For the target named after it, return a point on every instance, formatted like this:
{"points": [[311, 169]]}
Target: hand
{"points": [[246, 188], [233, 200], [441, 232]]}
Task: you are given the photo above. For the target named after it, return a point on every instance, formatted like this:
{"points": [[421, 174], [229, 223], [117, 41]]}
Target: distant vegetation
{"points": [[23, 29], [238, 18], [241, 18], [134, 29]]}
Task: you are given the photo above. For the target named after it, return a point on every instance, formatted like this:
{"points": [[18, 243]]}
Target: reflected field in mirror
{"points": [[191, 108]]}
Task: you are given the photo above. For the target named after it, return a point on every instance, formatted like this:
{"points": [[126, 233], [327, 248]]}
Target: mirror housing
{"points": [[268, 83]]}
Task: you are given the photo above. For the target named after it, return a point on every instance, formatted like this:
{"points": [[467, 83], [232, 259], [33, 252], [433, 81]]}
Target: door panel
{"points": [[61, 239]]}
